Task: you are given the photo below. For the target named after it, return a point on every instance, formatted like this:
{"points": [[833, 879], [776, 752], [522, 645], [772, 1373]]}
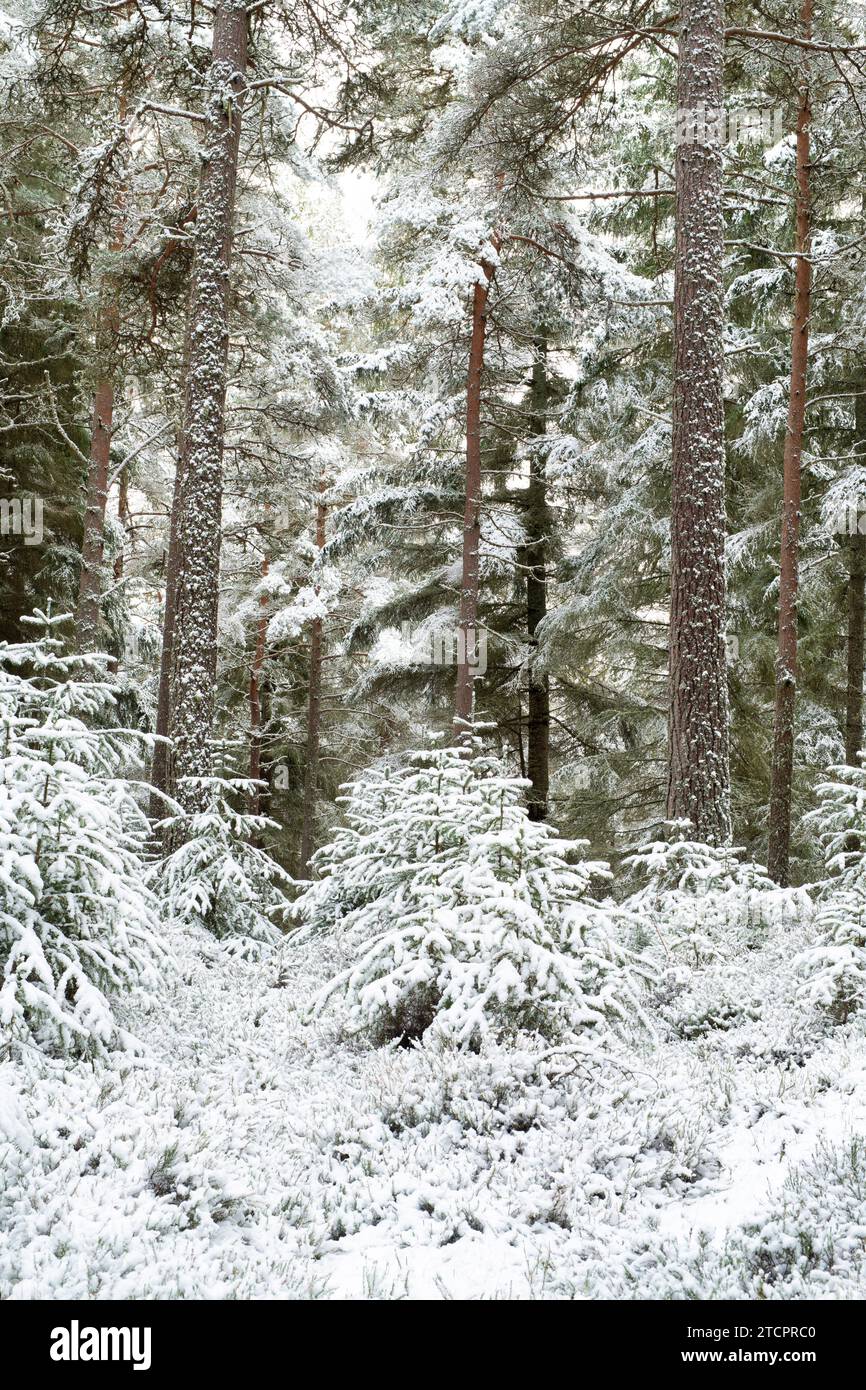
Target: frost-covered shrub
{"points": [[834, 969], [697, 1004], [816, 1229], [218, 876], [457, 910], [239, 1154], [808, 1244], [839, 821], [697, 900], [76, 921], [701, 908]]}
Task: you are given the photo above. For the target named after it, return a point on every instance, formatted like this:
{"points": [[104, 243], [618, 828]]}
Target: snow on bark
{"points": [[698, 769], [195, 623], [89, 606], [781, 777], [856, 645]]}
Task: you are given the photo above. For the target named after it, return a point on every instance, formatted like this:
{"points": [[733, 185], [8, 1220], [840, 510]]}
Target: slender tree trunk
{"points": [[537, 526], [256, 695], [162, 766], [194, 640], [160, 773], [521, 755], [698, 734], [856, 615], [123, 516], [467, 631], [88, 612], [314, 714], [779, 849]]}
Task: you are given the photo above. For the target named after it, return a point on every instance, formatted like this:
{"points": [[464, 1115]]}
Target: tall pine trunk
{"points": [[779, 849], [698, 733], [856, 608], [314, 714], [88, 611], [467, 631], [856, 623], [160, 767], [537, 519], [125, 519], [194, 639], [856, 646]]}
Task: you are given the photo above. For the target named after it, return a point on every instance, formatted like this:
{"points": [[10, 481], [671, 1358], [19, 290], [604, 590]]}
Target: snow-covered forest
{"points": [[432, 644]]}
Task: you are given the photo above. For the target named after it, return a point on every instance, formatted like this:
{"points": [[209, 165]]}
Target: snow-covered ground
{"points": [[247, 1153]]}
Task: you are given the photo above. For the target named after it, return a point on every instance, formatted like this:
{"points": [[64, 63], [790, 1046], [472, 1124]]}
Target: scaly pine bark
{"points": [[194, 654], [698, 736]]}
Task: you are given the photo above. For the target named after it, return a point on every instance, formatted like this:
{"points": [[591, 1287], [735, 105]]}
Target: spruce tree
{"points": [[461, 916]]}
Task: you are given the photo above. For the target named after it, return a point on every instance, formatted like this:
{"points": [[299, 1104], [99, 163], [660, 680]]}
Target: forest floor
{"points": [[246, 1153]]}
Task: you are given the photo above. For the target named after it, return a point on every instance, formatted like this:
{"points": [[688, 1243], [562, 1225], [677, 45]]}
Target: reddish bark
{"points": [[856, 646], [88, 613], [779, 848], [469, 586], [856, 615]]}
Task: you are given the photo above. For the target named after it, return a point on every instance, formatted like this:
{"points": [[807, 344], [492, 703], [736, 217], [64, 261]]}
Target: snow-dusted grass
{"points": [[250, 1153]]}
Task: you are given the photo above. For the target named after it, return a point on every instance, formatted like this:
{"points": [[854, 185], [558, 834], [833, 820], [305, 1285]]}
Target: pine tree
{"points": [[467, 628], [856, 633], [194, 635], [778, 855], [834, 969], [703, 901], [461, 915], [698, 775], [538, 521], [77, 922], [88, 609], [218, 876], [42, 358]]}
